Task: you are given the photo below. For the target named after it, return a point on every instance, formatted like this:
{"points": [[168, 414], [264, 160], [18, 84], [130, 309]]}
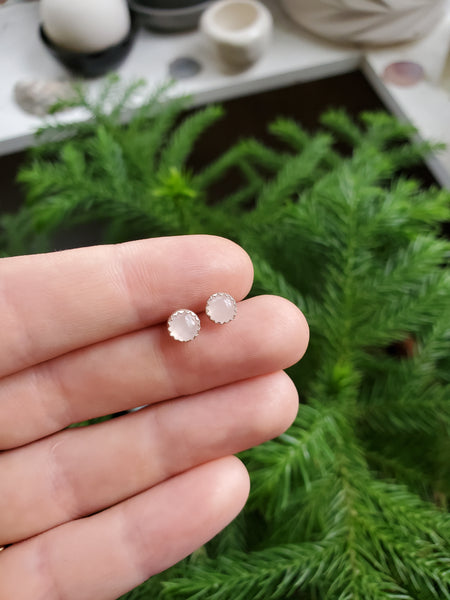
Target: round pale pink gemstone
{"points": [[221, 308], [404, 73], [184, 325]]}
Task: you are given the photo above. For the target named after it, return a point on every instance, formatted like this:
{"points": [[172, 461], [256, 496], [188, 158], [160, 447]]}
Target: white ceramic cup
{"points": [[240, 30]]}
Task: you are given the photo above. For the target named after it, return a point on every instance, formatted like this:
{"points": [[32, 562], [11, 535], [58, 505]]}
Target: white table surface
{"points": [[294, 56]]}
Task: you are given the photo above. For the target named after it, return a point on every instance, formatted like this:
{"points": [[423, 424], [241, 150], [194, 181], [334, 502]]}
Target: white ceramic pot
{"points": [[240, 30], [85, 25], [367, 22]]}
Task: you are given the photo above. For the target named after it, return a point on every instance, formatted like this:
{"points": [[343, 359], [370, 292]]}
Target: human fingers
{"points": [[148, 366], [105, 555], [81, 471], [51, 304]]}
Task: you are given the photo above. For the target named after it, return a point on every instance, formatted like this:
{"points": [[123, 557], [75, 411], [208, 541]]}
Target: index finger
{"points": [[51, 304]]}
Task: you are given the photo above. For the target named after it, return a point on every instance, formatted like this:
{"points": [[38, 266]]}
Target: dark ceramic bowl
{"points": [[170, 16], [170, 4], [94, 64]]}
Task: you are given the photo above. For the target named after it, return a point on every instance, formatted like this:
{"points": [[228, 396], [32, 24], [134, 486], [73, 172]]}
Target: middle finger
{"points": [[81, 471]]}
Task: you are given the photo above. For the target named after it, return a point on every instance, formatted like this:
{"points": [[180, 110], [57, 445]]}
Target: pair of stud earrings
{"points": [[184, 325]]}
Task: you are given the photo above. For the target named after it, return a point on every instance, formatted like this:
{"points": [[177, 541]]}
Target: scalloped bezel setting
{"points": [[221, 308], [183, 325]]}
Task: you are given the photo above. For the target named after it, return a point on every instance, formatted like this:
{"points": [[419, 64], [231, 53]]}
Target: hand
{"points": [[92, 512]]}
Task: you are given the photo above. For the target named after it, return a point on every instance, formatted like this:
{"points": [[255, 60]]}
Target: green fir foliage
{"points": [[351, 502]]}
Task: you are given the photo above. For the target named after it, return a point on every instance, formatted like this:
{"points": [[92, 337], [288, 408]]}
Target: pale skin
{"points": [[93, 512]]}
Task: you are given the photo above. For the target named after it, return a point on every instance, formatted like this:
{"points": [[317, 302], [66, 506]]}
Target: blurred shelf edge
{"points": [[294, 57]]}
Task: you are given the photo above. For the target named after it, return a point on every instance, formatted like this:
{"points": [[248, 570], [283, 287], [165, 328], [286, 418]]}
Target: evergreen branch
{"points": [[269, 280], [295, 460], [101, 105], [217, 168], [410, 413], [153, 106], [243, 152], [291, 133], [293, 175], [265, 158], [411, 312], [182, 140], [391, 468], [242, 197], [111, 162], [124, 99], [276, 573], [145, 137], [382, 128], [343, 127], [252, 177], [405, 211], [401, 510], [352, 515], [42, 179]]}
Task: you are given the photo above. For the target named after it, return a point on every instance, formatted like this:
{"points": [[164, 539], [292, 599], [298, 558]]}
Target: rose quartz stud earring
{"points": [[183, 325], [221, 308]]}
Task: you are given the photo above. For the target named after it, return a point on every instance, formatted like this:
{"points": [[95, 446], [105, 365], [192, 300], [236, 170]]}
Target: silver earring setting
{"points": [[221, 308], [184, 324]]}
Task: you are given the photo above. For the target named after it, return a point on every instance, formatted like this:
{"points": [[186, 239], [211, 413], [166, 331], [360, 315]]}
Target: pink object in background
{"points": [[404, 73]]}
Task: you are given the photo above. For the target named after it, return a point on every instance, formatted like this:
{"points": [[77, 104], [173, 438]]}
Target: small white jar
{"points": [[85, 26], [240, 30]]}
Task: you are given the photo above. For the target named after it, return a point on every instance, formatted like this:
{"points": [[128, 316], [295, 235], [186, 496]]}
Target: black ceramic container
{"points": [[169, 15], [93, 64], [171, 4]]}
